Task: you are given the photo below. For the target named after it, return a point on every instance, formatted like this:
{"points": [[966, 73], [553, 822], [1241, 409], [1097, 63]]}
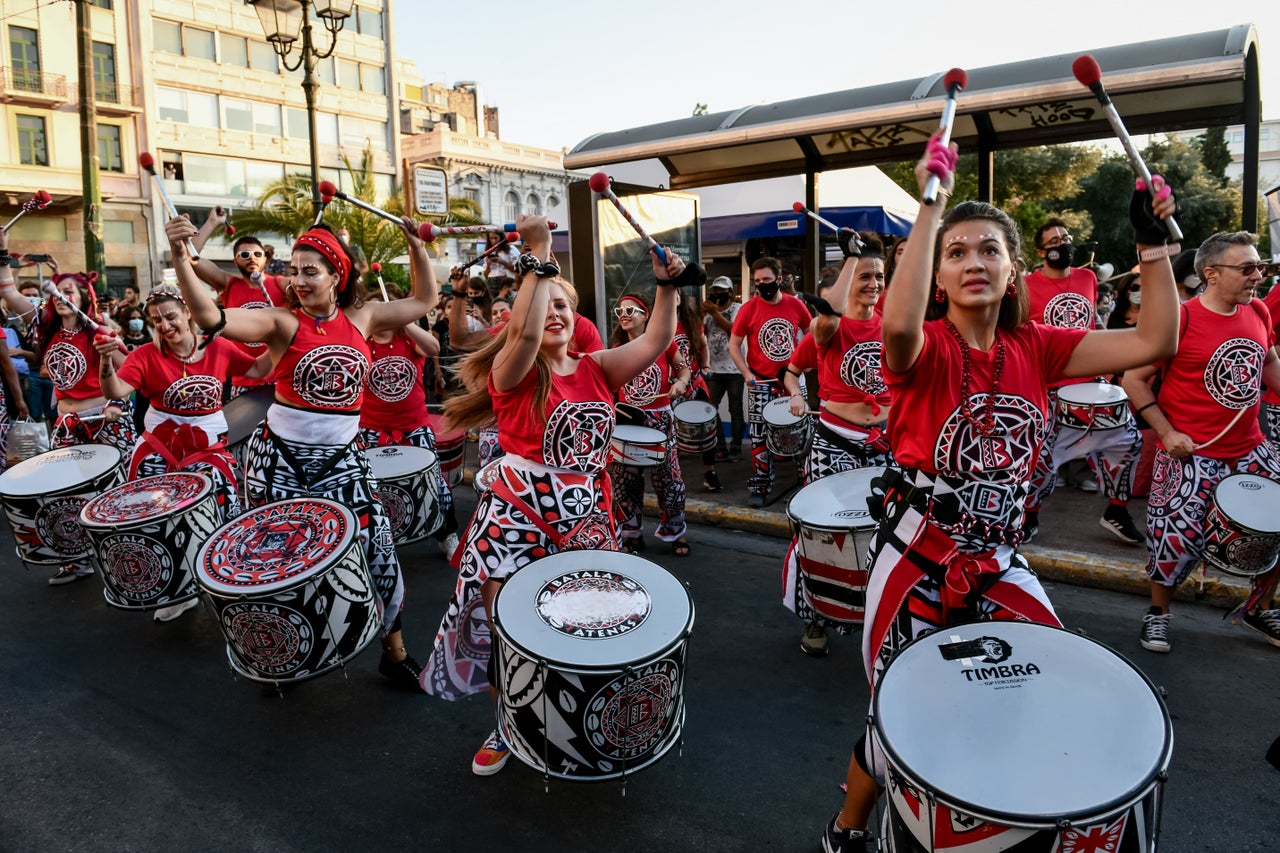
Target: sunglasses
{"points": [[628, 311], [1245, 269], [246, 255]]}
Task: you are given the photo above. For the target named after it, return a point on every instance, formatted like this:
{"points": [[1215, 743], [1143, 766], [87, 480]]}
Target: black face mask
{"points": [[1059, 257], [768, 291], [721, 298]]}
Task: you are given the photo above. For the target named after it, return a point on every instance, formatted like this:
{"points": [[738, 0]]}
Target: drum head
{"points": [[59, 470], [394, 461], [1022, 723], [778, 413], [147, 498], [1092, 394], [275, 547], [836, 502], [1250, 501], [695, 412], [592, 610], [639, 434]]}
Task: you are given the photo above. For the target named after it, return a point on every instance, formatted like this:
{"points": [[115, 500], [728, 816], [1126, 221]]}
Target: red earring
{"points": [[1013, 289], [938, 295]]}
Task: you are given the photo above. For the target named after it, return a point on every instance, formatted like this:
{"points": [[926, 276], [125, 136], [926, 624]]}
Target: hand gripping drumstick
{"points": [[955, 80], [377, 270], [39, 201], [94, 326], [600, 183], [149, 163], [328, 189], [1089, 73]]}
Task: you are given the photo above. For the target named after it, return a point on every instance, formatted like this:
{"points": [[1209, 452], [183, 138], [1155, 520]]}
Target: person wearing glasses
{"points": [[253, 287], [771, 323], [1066, 296], [1206, 416], [651, 392]]}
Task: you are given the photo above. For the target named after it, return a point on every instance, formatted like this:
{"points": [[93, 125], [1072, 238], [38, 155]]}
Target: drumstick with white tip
{"points": [[599, 183], [377, 270], [1089, 73], [39, 201], [429, 232], [955, 80], [149, 163]]}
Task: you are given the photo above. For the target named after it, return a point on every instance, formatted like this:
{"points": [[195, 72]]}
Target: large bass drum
{"points": [[591, 663], [43, 497]]}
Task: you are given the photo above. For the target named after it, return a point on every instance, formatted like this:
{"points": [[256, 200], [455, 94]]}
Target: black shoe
{"points": [[711, 482], [403, 674], [1155, 631], [1118, 521], [735, 453], [836, 840], [1030, 525]]}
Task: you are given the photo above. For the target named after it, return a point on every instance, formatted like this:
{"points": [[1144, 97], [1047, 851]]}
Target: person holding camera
{"points": [[722, 374]]}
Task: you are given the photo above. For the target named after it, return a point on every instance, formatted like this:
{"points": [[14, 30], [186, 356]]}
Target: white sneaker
{"points": [[448, 545], [173, 611]]}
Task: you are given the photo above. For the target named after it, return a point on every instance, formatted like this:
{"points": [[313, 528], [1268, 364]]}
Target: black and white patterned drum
{"points": [[243, 415], [146, 534], [43, 497], [407, 478], [785, 434], [1092, 406], [639, 447], [1242, 529], [696, 425], [1017, 736], [291, 589], [833, 528], [591, 663]]}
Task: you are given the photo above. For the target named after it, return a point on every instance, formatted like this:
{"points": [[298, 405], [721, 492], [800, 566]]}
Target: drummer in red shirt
{"points": [[1206, 417], [1067, 296], [771, 323]]}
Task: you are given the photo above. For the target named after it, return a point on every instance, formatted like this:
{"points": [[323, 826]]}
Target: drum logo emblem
{"points": [[777, 339], [274, 640], [137, 565], [992, 650], [630, 715], [399, 508], [1099, 838], [593, 605], [58, 525]]}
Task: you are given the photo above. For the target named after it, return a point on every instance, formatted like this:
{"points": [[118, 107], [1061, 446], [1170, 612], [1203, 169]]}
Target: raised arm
{"points": [[824, 326], [528, 313], [13, 300], [386, 316], [113, 387], [423, 340], [624, 363]]}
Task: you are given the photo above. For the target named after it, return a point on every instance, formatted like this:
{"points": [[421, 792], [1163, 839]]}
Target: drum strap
{"points": [[876, 439], [292, 461], [581, 536], [181, 445]]}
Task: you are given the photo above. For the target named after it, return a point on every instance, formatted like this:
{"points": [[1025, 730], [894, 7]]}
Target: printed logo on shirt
{"points": [[577, 435], [66, 365], [645, 388], [1234, 372], [331, 376], [1069, 311], [777, 339], [1008, 453], [860, 368], [392, 379], [193, 394]]}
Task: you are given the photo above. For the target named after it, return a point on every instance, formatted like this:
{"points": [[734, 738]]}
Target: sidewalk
{"points": [[1071, 547]]}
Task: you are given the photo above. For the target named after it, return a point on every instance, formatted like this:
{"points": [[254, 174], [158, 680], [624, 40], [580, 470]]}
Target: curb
{"points": [[1070, 567]]}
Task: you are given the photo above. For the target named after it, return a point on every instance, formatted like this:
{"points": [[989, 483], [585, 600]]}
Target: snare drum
{"points": [[291, 589], [640, 447], [785, 434], [43, 497], [1092, 406], [407, 478], [451, 446], [1242, 528], [833, 528], [696, 426], [146, 533], [1012, 733], [595, 641]]}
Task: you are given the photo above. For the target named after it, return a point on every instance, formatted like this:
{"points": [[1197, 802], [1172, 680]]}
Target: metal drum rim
{"points": [[206, 492]]}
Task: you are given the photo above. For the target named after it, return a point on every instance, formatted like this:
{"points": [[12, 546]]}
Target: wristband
{"points": [[529, 263], [797, 394], [1157, 252], [1144, 408]]}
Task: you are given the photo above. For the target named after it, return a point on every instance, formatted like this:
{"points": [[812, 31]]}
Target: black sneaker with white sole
{"points": [[837, 840], [1155, 631], [1118, 521], [1266, 623]]}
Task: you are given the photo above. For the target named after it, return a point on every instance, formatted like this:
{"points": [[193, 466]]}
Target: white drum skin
{"points": [[640, 447], [1242, 527], [786, 435], [696, 425], [407, 490], [43, 497]]}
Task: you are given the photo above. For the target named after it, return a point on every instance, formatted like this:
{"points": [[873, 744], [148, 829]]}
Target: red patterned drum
{"points": [[43, 497], [1242, 529], [833, 528], [594, 641], [407, 479], [243, 414], [291, 589], [1092, 406], [451, 448], [146, 533], [640, 447]]}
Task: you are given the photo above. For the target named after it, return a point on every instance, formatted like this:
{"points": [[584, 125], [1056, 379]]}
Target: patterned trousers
{"points": [[758, 396], [668, 485], [1112, 454]]}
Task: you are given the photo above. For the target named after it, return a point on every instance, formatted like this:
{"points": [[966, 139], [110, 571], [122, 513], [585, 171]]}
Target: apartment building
{"points": [[195, 83]]}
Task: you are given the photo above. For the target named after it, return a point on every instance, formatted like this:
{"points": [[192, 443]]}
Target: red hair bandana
{"points": [[330, 248]]}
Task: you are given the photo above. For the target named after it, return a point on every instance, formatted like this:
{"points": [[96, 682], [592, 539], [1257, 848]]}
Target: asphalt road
{"points": [[119, 733]]}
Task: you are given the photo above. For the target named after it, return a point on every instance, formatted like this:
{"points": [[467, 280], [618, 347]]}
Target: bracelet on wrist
{"points": [[1157, 252], [529, 263], [1147, 406]]}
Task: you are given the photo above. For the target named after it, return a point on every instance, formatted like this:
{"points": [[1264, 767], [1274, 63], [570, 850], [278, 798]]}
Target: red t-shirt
{"points": [[1272, 301], [585, 338], [652, 388], [240, 293], [771, 332], [805, 357], [685, 346], [324, 370], [72, 363], [928, 430], [579, 424], [849, 364], [1215, 374], [158, 376], [1069, 303], [396, 398]]}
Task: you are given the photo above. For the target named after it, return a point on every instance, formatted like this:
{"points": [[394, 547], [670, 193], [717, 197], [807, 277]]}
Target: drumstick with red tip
{"points": [[228, 230], [599, 183], [955, 80], [377, 270], [149, 163], [799, 207], [1089, 73], [39, 201], [94, 326]]}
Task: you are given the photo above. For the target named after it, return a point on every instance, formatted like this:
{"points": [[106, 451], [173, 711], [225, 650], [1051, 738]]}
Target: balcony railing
{"points": [[15, 82], [115, 93]]}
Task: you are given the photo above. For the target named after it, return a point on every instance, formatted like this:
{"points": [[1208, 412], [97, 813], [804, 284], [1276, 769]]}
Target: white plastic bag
{"points": [[27, 438]]}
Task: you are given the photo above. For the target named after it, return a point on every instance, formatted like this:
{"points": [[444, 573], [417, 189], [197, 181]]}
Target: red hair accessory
{"points": [[636, 299], [330, 248]]}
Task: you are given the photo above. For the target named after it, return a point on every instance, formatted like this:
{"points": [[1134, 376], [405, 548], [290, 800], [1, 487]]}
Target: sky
{"points": [[562, 70]]}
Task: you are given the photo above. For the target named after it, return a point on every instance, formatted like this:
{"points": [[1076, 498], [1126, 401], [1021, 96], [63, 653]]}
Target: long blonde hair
{"points": [[474, 406]]}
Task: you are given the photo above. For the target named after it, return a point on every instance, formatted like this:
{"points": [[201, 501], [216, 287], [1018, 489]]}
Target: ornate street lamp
{"points": [[282, 23]]}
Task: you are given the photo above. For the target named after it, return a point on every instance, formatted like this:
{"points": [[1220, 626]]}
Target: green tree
{"points": [[1214, 152]]}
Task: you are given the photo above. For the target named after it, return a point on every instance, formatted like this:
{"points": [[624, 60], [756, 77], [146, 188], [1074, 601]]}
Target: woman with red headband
{"points": [[317, 342]]}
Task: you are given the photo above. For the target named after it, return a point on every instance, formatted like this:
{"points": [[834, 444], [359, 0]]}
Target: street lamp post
{"points": [[281, 21]]}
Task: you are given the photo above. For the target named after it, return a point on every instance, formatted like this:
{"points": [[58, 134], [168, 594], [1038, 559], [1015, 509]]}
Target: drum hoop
{"points": [[680, 643], [823, 528], [1115, 401], [206, 493], [71, 488], [1215, 506], [1098, 812]]}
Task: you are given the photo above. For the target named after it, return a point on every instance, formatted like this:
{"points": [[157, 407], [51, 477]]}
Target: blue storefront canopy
{"points": [[727, 229]]}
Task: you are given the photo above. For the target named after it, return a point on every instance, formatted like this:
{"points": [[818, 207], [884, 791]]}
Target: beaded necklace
{"points": [[987, 424], [319, 320]]}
